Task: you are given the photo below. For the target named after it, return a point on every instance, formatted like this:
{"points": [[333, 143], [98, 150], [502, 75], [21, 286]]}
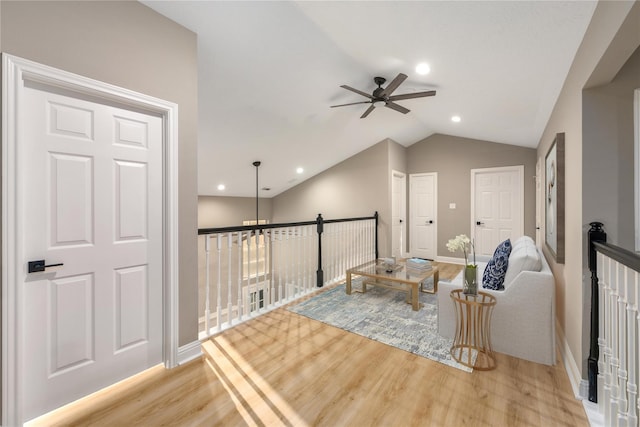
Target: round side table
{"points": [[473, 330]]}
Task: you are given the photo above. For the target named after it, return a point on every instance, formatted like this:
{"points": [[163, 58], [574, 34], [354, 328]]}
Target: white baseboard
{"points": [[189, 352], [596, 419], [450, 260], [580, 386]]}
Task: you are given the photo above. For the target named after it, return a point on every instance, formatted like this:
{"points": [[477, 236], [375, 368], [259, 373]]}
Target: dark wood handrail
{"points": [[622, 255], [280, 225]]}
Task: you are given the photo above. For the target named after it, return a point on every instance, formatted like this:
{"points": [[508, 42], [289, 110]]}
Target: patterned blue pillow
{"points": [[493, 277]]}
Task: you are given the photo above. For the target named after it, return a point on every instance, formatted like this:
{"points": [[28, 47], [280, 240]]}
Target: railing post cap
{"points": [[596, 226]]}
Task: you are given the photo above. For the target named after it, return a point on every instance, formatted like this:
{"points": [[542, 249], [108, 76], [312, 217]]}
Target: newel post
{"points": [[375, 215], [596, 234], [319, 271]]}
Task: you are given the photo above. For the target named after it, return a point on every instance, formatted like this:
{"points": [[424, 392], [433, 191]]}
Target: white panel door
{"points": [[398, 213], [497, 207], [424, 208], [92, 201]]}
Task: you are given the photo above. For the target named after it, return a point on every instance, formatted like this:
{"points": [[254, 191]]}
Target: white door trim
{"points": [[403, 216], [15, 71], [520, 170]]}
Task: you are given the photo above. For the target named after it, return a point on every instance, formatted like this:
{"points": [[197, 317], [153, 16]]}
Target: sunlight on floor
{"points": [[251, 394]]}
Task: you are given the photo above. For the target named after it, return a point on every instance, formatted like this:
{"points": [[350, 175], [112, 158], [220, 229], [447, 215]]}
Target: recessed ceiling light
{"points": [[456, 119], [299, 170], [221, 187], [423, 68]]}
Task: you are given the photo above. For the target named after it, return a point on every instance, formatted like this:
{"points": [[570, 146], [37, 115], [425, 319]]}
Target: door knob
{"points": [[479, 223], [38, 266]]}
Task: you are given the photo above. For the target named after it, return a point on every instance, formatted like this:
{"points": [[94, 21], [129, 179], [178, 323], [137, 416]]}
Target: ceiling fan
{"points": [[381, 97]]}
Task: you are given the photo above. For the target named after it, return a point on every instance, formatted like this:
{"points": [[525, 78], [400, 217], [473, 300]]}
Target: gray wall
{"points": [[453, 158], [362, 184], [397, 157], [610, 39], [218, 211], [356, 187], [128, 45], [608, 153]]}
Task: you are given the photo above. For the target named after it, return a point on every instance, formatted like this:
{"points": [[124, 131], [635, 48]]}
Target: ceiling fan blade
{"points": [[393, 85], [412, 95], [351, 103], [359, 92], [397, 107], [369, 110]]}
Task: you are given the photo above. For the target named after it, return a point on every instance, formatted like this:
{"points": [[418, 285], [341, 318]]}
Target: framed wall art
{"points": [[554, 198]]}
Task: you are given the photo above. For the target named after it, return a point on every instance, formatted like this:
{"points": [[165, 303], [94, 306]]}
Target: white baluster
{"points": [[344, 255], [370, 252], [280, 270], [632, 348], [219, 282], [327, 255], [272, 282], [257, 275], [229, 277], [309, 260], [622, 346], [335, 257], [603, 365], [239, 287], [207, 310], [608, 352], [305, 277], [245, 299], [313, 256], [287, 266], [615, 346], [360, 243]]}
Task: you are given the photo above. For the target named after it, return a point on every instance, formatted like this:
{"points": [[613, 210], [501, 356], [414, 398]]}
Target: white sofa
{"points": [[523, 322]]}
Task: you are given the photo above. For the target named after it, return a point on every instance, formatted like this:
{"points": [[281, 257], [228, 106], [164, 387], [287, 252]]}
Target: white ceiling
{"points": [[268, 72]]}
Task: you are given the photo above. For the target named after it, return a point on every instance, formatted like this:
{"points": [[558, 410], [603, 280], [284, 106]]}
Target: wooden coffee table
{"points": [[401, 279]]}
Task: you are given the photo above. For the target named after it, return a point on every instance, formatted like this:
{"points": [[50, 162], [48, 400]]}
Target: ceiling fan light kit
{"points": [[381, 97]]}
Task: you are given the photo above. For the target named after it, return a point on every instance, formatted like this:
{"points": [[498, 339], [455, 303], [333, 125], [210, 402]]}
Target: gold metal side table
{"points": [[473, 330]]}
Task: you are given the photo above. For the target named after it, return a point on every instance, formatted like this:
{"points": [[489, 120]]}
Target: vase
{"points": [[470, 284]]}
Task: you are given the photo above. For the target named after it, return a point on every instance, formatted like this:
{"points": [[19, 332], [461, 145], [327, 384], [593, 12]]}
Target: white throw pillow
{"points": [[524, 258]]}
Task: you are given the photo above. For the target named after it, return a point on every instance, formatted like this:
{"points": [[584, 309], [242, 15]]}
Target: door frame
{"points": [[474, 172], [435, 211], [539, 201], [403, 216], [15, 71]]}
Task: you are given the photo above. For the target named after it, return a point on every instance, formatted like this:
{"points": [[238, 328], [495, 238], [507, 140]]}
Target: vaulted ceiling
{"points": [[269, 72]]}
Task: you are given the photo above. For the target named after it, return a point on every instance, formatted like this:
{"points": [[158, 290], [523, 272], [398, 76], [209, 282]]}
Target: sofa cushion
{"points": [[496, 269], [523, 241], [523, 258]]}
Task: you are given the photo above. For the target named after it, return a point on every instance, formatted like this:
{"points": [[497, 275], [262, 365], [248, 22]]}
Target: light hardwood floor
{"points": [[285, 369]]}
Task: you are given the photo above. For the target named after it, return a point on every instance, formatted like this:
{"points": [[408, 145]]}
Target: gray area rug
{"points": [[383, 315]]}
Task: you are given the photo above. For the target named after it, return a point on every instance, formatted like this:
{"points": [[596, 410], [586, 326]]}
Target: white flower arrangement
{"points": [[462, 243]]}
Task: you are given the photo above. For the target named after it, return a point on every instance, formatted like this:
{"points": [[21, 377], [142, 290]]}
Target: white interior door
{"points": [[424, 207], [91, 177], [398, 213], [497, 207]]}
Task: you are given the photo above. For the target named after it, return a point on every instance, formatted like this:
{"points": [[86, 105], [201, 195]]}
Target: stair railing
{"points": [[245, 271]]}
